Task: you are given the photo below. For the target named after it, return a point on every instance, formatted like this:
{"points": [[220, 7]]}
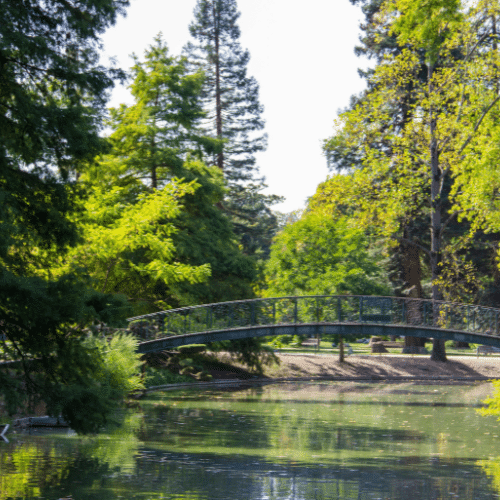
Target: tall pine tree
{"points": [[154, 142], [234, 114]]}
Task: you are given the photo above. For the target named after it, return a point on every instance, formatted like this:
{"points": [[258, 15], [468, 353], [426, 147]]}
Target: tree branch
{"points": [[410, 242], [448, 220], [478, 124]]}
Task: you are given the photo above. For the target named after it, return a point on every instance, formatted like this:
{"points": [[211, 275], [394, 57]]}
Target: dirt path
{"points": [[382, 367]]}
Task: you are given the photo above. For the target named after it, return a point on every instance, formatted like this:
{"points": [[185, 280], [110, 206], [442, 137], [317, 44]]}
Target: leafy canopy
{"points": [[319, 255], [52, 96]]}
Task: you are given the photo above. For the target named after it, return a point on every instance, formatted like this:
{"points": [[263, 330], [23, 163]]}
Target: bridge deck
{"points": [[309, 315]]}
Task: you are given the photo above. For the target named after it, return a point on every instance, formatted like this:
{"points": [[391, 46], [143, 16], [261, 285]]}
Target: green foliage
{"points": [[121, 361], [127, 242], [52, 100], [421, 136], [250, 352], [187, 251], [186, 350], [322, 256], [492, 402], [158, 376], [152, 137], [228, 91], [281, 341], [96, 376], [234, 115], [425, 23], [206, 236]]}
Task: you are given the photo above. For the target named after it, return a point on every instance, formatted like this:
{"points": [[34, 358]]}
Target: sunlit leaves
{"points": [[321, 255], [153, 136], [455, 105], [130, 241]]}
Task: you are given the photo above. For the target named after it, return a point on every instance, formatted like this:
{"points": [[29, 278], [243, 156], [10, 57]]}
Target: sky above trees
{"points": [[303, 60]]}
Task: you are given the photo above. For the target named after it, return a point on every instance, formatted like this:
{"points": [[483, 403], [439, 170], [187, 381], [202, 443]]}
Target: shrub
{"points": [[158, 376], [188, 350], [99, 376]]}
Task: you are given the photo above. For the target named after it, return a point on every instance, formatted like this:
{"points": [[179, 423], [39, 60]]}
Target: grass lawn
{"points": [[365, 349]]}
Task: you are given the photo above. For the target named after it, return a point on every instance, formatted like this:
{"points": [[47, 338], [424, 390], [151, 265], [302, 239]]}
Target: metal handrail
{"points": [[319, 309]]}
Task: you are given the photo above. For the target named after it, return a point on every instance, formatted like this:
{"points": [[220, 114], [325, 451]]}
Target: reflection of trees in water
{"points": [[42, 469], [211, 476], [53, 469], [194, 429], [311, 429], [118, 448], [33, 467], [237, 448], [492, 469]]}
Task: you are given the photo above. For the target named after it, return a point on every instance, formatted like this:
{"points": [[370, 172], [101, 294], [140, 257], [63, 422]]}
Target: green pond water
{"points": [[288, 441]]}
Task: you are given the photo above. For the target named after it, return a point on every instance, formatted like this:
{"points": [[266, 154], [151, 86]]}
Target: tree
{"points": [[469, 271], [127, 245], [52, 96], [154, 136], [320, 255], [154, 142], [406, 266], [422, 159], [231, 100]]}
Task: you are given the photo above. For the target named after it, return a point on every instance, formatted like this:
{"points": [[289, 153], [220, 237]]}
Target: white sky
{"points": [[301, 55]]}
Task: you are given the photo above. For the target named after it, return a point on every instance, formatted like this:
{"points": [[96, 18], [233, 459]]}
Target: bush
{"points": [[158, 376], [249, 352], [188, 350], [99, 376], [121, 362]]}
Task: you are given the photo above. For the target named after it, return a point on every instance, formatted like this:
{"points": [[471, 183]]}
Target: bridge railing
{"points": [[318, 310]]}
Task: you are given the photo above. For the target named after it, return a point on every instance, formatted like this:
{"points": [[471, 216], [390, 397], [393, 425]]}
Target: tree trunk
{"points": [[218, 105], [438, 349], [412, 276], [341, 349]]}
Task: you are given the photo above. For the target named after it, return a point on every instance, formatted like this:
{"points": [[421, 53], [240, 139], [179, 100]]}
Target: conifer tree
{"points": [[52, 94], [234, 115], [155, 142]]}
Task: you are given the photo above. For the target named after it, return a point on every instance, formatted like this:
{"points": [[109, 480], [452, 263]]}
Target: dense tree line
{"points": [[419, 143], [94, 229], [413, 162], [168, 210]]}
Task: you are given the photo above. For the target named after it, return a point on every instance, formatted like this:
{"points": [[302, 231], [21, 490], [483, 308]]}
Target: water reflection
{"points": [[302, 441]]}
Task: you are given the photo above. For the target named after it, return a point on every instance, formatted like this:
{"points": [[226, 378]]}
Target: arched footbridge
{"points": [[346, 315]]}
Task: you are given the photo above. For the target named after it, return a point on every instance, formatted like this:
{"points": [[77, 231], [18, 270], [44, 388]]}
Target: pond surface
{"points": [[289, 441]]}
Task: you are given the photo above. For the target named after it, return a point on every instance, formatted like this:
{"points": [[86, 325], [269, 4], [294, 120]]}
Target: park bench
{"points": [[487, 349], [311, 342]]}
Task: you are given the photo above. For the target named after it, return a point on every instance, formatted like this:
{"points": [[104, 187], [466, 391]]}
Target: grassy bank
{"points": [[325, 347]]}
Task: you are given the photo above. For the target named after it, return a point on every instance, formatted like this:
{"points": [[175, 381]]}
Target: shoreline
{"points": [[313, 367], [384, 366]]}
